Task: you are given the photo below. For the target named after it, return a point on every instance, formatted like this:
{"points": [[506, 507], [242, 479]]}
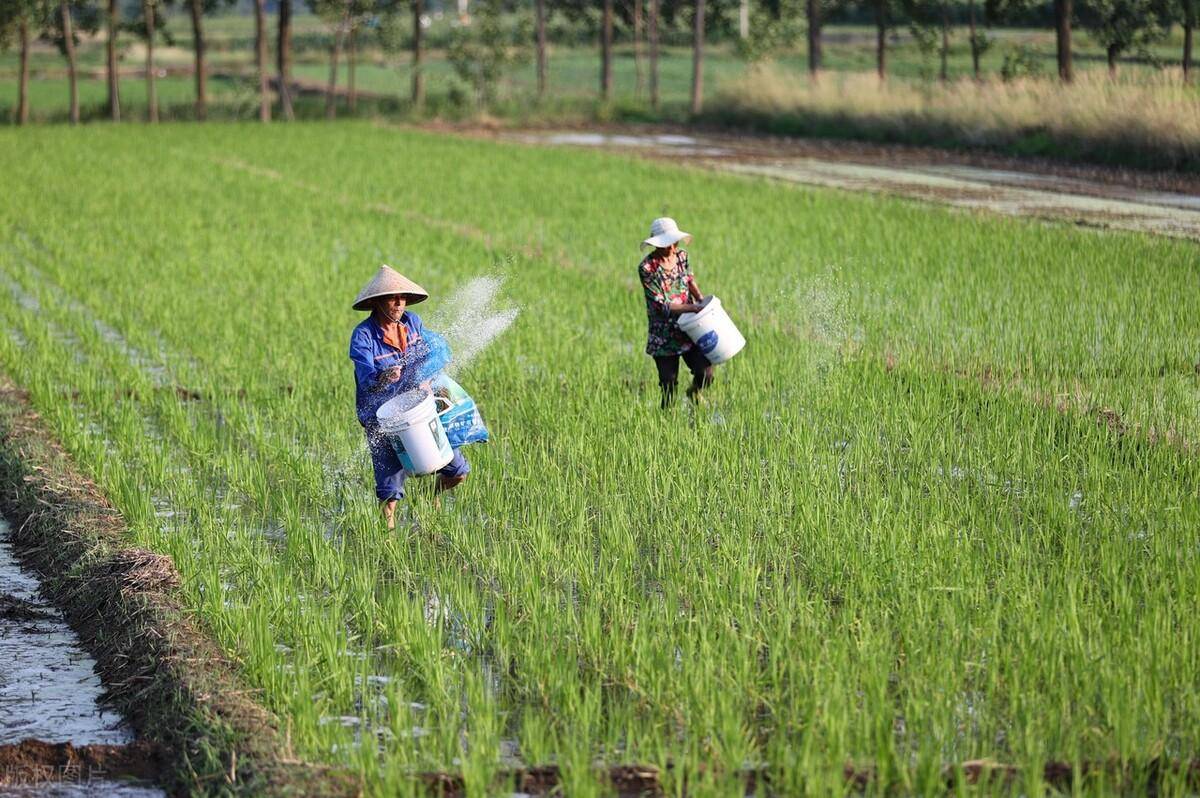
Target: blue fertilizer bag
{"points": [[457, 410], [461, 416]]}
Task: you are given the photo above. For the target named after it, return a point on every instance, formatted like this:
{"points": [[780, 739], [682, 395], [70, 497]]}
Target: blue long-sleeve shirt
{"points": [[371, 357]]}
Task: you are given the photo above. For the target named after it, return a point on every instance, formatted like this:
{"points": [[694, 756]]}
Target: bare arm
{"points": [[679, 308]]}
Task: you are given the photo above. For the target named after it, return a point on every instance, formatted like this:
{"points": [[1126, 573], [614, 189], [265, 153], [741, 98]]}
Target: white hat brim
{"points": [[666, 239]]}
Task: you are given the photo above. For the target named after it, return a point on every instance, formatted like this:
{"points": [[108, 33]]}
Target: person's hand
{"points": [[679, 308], [390, 375]]}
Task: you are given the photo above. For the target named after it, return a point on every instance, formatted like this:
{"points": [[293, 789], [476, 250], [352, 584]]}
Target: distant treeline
{"points": [[488, 36], [1030, 15]]}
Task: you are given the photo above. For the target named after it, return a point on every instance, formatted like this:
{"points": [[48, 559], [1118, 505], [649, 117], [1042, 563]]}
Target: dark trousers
{"points": [[668, 372]]}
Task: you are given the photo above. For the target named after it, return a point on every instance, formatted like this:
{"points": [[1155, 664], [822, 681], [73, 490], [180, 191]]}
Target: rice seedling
{"points": [[941, 509]]}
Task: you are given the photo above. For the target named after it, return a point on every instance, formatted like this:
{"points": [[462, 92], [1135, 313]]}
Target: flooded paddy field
{"points": [[934, 528], [50, 693]]}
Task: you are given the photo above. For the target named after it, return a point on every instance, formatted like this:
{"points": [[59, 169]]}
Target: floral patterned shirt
{"points": [[664, 281]]}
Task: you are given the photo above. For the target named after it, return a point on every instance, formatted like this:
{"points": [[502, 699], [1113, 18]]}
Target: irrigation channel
{"points": [[1017, 188], [56, 737]]}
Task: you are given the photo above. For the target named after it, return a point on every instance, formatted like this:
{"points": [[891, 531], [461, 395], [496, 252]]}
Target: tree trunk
{"points": [[1189, 24], [23, 80], [653, 35], [283, 59], [151, 88], [114, 93], [69, 46], [639, 82], [261, 58], [330, 94], [744, 19], [1111, 53], [813, 8], [199, 48], [945, 40], [540, 11], [1062, 18], [606, 42], [351, 64], [881, 38], [418, 77], [698, 59], [974, 41]]}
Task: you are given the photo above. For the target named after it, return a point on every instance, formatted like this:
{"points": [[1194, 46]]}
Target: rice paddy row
{"points": [[942, 508]]}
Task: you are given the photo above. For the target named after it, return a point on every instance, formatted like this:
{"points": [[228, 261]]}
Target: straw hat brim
{"points": [[389, 282], [413, 299], [667, 239]]}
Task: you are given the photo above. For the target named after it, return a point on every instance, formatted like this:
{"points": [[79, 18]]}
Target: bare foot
{"points": [[388, 509], [448, 483]]}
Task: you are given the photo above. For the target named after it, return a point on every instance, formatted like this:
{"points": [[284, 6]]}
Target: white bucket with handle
{"points": [[411, 424], [711, 329]]}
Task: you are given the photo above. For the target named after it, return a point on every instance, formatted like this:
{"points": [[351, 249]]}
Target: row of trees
{"points": [[63, 21], [1119, 25]]}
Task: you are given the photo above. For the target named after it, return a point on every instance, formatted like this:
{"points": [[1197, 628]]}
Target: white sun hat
{"points": [[664, 232], [386, 282]]}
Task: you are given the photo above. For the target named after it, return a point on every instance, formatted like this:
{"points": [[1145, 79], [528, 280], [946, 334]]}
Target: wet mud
{"points": [[625, 781], [628, 781], [96, 767]]}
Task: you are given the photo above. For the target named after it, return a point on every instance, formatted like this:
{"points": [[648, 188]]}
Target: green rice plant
{"points": [[940, 510]]}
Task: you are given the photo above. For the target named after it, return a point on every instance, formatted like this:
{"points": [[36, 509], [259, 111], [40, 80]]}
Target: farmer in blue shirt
{"points": [[387, 349]]}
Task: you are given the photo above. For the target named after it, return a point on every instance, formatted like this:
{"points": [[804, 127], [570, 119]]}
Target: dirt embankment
{"points": [[37, 762], [201, 733]]}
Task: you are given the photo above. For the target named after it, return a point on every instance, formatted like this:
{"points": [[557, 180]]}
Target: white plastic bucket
{"points": [[711, 329], [411, 424]]}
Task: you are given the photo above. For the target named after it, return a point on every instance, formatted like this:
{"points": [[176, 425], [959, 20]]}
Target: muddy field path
{"points": [[1150, 202]]}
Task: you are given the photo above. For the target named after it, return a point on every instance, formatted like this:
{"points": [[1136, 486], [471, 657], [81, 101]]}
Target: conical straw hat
{"points": [[388, 281]]}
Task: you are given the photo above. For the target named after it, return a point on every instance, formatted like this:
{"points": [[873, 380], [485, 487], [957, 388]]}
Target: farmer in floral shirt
{"points": [[670, 291]]}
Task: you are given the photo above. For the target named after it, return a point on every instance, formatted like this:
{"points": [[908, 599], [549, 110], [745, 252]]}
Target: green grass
{"points": [[897, 534], [175, 95]]}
